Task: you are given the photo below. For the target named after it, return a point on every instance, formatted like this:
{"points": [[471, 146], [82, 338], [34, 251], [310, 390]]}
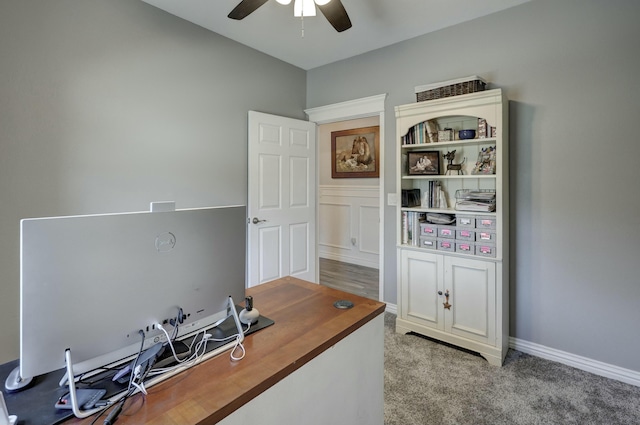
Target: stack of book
{"points": [[476, 200], [435, 196], [421, 133], [411, 227]]}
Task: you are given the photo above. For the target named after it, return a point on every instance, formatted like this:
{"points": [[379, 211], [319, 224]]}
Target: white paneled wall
{"points": [[348, 223]]}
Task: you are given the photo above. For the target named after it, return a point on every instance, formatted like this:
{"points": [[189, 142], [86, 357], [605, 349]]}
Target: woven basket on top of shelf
{"points": [[450, 88]]}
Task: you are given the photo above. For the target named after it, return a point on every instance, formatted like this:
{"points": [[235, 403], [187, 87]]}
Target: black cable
{"points": [[113, 416], [129, 390], [141, 333]]}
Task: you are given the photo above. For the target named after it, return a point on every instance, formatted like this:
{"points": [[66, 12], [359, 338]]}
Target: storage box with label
{"points": [[465, 247], [485, 249], [486, 236], [468, 221], [447, 232], [485, 222], [446, 245], [466, 234], [428, 229], [428, 243]]}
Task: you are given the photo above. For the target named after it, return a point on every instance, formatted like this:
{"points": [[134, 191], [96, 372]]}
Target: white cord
{"points": [[193, 359], [170, 342], [202, 344], [238, 344], [139, 386]]}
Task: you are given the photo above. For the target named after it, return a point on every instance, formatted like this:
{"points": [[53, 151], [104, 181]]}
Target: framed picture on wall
{"points": [[425, 163], [355, 153]]}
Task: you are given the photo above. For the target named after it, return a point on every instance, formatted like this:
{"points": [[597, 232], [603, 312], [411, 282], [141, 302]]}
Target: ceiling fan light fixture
{"points": [[322, 2], [285, 2], [304, 8]]}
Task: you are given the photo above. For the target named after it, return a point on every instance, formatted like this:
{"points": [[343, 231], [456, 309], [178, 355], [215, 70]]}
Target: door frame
{"points": [[349, 110]]}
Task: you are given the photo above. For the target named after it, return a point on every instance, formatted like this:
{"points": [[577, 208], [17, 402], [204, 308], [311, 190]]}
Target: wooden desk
{"points": [[316, 365]]}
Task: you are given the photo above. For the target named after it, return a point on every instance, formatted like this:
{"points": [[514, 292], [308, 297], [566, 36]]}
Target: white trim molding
{"points": [[349, 191], [353, 109], [583, 363]]}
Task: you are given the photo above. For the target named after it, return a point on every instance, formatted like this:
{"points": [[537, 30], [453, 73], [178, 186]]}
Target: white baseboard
{"points": [[593, 366], [596, 367], [391, 308]]}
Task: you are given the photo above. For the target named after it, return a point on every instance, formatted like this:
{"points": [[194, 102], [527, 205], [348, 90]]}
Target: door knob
{"points": [[256, 220]]}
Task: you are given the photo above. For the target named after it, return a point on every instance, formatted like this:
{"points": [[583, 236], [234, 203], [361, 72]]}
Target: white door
{"points": [[282, 199], [422, 274], [472, 295]]}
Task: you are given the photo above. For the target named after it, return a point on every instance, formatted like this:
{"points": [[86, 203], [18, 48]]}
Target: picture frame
{"points": [[486, 163], [423, 163], [355, 153]]}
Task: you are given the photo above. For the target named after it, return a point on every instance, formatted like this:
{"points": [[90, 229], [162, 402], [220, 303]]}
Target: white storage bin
{"points": [[428, 243], [446, 245], [485, 236], [485, 222], [465, 247], [468, 221], [447, 232], [485, 249], [466, 234], [428, 229]]}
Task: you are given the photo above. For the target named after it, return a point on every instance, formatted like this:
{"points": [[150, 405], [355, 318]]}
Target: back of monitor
{"points": [[91, 283]]}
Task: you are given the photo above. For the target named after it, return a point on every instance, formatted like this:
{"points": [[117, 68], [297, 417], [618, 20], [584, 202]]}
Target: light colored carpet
{"points": [[427, 382]]}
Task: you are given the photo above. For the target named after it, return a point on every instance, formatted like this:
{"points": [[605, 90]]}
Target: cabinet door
{"points": [[421, 275], [472, 295]]}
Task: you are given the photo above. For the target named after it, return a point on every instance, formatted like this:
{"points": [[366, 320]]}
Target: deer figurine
{"points": [[450, 156]]}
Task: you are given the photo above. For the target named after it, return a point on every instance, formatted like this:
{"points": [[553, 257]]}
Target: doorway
{"points": [[350, 259]]}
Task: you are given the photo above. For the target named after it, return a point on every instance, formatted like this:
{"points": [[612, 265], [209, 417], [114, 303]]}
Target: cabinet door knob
{"points": [[446, 301], [439, 292]]}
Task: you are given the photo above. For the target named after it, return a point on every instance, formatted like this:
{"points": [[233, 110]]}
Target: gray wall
{"points": [[570, 70], [108, 105]]}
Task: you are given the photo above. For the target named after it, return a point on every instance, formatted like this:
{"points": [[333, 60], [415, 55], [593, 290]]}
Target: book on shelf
{"points": [[411, 227], [421, 133], [434, 196]]}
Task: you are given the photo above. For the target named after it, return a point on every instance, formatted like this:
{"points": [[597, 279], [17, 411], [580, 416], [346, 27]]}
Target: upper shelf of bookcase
{"points": [[460, 142]]}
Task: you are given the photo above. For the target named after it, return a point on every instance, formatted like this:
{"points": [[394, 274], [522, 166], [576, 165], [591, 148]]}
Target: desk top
{"points": [[306, 324]]}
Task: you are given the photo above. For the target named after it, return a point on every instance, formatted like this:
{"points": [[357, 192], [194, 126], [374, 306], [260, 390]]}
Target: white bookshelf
{"points": [[475, 314]]}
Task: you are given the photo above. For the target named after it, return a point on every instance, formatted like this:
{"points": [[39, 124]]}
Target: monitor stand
{"points": [[15, 382], [5, 417]]}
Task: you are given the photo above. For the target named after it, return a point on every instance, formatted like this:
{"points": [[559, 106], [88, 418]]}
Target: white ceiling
{"points": [[272, 29]]}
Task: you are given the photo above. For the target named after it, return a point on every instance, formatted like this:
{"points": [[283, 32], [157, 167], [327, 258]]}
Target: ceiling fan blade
{"points": [[336, 14], [245, 8]]}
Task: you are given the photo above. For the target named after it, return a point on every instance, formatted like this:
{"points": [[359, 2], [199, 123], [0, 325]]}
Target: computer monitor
{"points": [[90, 283]]}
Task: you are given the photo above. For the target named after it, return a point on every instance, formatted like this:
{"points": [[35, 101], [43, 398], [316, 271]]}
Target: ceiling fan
{"points": [[333, 10]]}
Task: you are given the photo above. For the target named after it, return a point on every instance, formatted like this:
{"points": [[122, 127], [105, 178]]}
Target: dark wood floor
{"points": [[359, 280]]}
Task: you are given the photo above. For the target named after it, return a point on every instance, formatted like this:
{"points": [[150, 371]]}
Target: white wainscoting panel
{"points": [[349, 224]]}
